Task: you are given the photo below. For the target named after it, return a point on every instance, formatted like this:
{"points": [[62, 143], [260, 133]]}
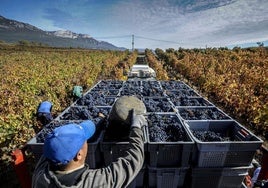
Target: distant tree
{"points": [[260, 44], [23, 42], [170, 50]]}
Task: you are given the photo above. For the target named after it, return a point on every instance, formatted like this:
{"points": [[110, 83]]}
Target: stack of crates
{"points": [[223, 150], [168, 162], [190, 162]]}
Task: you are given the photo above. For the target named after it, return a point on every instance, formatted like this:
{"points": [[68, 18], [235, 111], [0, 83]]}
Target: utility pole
{"points": [[132, 43]]}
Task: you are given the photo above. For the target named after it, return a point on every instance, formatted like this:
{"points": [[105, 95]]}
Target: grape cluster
{"points": [[132, 83], [173, 85], [210, 136], [40, 137], [189, 101], [84, 113], [152, 89], [76, 113], [152, 84], [157, 105], [184, 93], [131, 90], [94, 111], [165, 128], [95, 99], [108, 85], [202, 114]]}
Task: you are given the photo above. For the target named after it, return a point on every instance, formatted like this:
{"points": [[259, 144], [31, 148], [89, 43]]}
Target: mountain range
{"points": [[12, 31]]}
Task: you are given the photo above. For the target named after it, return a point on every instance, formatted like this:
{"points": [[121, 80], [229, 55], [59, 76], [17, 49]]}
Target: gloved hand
{"points": [[138, 120]]}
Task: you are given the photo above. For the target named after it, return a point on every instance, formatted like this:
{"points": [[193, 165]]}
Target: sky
{"points": [[153, 23]]}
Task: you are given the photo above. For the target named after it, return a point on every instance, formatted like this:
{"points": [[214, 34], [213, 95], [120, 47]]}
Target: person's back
{"points": [[44, 112], [75, 173]]}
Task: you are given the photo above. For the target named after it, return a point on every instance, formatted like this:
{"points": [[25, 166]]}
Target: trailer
{"points": [[208, 149], [141, 70]]}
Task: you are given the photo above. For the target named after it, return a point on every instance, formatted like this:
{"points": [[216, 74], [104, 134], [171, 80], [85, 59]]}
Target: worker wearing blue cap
{"points": [[65, 150]]}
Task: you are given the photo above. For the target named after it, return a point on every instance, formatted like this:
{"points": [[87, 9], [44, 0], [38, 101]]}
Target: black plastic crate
{"points": [[166, 177], [140, 180], [94, 98], [108, 84], [181, 93], [106, 92], [85, 113], [169, 144], [192, 101], [94, 159], [174, 85], [222, 143], [202, 113], [151, 84], [115, 145], [132, 83], [231, 177]]}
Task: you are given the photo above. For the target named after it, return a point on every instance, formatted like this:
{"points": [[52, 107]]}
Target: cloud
{"points": [[194, 22], [187, 23], [59, 18]]}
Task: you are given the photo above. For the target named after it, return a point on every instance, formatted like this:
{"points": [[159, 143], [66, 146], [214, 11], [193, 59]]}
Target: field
{"points": [[236, 80]]}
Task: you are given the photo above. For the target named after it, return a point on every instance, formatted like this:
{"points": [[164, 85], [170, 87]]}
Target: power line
{"points": [[157, 40], [113, 37]]}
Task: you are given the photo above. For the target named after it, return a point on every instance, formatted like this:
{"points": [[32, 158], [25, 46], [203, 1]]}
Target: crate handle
{"points": [[243, 134]]}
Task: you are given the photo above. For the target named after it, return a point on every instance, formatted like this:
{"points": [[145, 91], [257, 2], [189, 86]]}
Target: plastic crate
{"points": [[174, 85], [35, 147], [108, 84], [193, 102], [181, 93], [170, 154], [95, 98], [84, 113], [219, 177], [166, 177], [106, 92], [113, 149], [202, 113], [94, 158], [239, 150], [140, 180]]}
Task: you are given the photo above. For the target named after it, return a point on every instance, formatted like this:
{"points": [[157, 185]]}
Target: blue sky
{"points": [[154, 23]]}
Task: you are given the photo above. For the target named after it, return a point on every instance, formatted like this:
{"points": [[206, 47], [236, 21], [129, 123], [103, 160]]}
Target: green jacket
{"points": [[118, 174]]}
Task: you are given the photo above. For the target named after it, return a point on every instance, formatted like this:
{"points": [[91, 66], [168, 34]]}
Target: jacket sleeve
{"points": [[39, 171], [121, 172]]}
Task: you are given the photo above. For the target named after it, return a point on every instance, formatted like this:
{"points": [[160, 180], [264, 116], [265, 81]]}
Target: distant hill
{"points": [[12, 31]]}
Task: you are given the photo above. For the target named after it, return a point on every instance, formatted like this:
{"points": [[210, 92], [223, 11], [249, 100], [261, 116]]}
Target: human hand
{"points": [[101, 115]]}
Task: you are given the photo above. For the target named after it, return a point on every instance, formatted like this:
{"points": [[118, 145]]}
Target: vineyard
{"points": [[31, 75], [236, 79]]}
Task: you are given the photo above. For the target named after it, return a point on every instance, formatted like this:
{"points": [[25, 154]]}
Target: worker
{"points": [[44, 112], [65, 149], [77, 92]]}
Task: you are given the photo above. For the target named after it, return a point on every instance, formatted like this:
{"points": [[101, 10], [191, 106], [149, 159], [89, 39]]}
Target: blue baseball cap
{"points": [[64, 142]]}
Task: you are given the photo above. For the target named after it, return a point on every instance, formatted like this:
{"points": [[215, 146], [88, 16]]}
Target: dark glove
{"points": [[138, 120]]}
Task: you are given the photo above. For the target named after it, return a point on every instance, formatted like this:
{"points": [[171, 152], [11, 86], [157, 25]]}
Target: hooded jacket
{"points": [[118, 174]]}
